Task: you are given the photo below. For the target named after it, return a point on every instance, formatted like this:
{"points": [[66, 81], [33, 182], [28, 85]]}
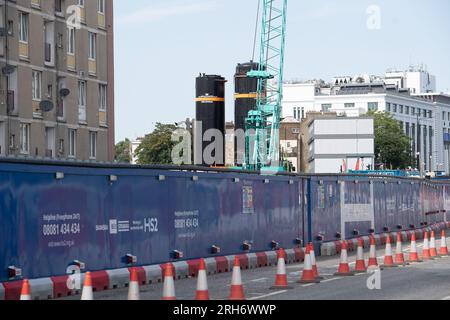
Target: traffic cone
{"points": [[88, 291], [25, 293], [344, 267], [312, 255], [388, 259], [433, 250], [169, 286], [426, 248], [202, 283], [360, 266], [308, 273], [443, 252], [237, 289], [399, 256], [373, 261], [413, 255], [281, 281], [133, 288]]}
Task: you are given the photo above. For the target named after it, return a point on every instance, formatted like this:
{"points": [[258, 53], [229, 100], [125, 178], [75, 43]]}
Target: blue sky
{"points": [[162, 45]]}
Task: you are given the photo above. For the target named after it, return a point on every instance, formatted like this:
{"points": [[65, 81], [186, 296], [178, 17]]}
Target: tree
{"points": [[392, 145], [123, 151], [156, 147]]}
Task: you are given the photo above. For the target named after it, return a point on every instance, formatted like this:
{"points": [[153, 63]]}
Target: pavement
{"points": [[429, 280]]}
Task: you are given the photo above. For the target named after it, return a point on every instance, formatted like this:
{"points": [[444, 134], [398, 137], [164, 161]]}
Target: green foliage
{"points": [[156, 148], [392, 145], [123, 152]]}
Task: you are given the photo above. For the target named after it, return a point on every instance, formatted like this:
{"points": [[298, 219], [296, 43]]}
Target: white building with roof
{"points": [[424, 116]]}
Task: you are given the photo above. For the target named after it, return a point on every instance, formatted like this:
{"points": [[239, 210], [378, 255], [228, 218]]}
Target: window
{"points": [[299, 114], [101, 6], [295, 131], [25, 138], [388, 107], [102, 97], [23, 27], [50, 92], [72, 142], [82, 93], [36, 85], [326, 107], [92, 46], [400, 109], [349, 105], [413, 111], [11, 28], [373, 106], [394, 108], [71, 40], [80, 3], [430, 114], [82, 101], [93, 145], [58, 6], [406, 110]]}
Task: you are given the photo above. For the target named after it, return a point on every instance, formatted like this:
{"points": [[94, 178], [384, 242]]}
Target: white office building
{"points": [[424, 115]]}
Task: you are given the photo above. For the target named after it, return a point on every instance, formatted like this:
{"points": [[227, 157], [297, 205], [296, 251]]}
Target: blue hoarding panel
{"points": [[46, 223]]}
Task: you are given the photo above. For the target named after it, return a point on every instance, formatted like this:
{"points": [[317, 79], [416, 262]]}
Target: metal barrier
{"points": [[56, 215]]}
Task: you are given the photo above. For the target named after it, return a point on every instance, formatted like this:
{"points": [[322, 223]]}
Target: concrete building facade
{"points": [[424, 116], [57, 79]]}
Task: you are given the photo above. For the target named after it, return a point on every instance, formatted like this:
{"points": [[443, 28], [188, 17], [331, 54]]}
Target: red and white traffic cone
{"points": [[308, 273], [433, 250], [344, 267], [88, 290], [413, 255], [169, 285], [25, 293], [360, 266], [281, 281], [237, 289], [373, 261], [312, 254], [399, 256], [443, 252], [202, 293], [388, 258], [133, 287], [426, 248]]}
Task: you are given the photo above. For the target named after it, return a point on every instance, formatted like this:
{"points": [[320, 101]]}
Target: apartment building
{"points": [[57, 79]]}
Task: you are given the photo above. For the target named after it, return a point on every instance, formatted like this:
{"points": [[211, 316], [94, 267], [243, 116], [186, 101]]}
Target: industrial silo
{"points": [[210, 112], [245, 100]]}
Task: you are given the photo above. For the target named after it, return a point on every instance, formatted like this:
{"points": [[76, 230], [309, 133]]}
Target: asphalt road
{"points": [[423, 281]]}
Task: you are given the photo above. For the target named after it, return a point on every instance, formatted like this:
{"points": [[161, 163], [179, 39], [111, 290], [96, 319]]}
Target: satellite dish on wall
{"points": [[64, 92], [8, 69], [46, 105]]}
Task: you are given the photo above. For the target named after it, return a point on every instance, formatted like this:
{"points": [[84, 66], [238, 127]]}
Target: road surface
{"points": [[429, 280]]}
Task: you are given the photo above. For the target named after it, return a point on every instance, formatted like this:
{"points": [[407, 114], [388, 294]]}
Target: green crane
{"points": [[262, 145]]}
